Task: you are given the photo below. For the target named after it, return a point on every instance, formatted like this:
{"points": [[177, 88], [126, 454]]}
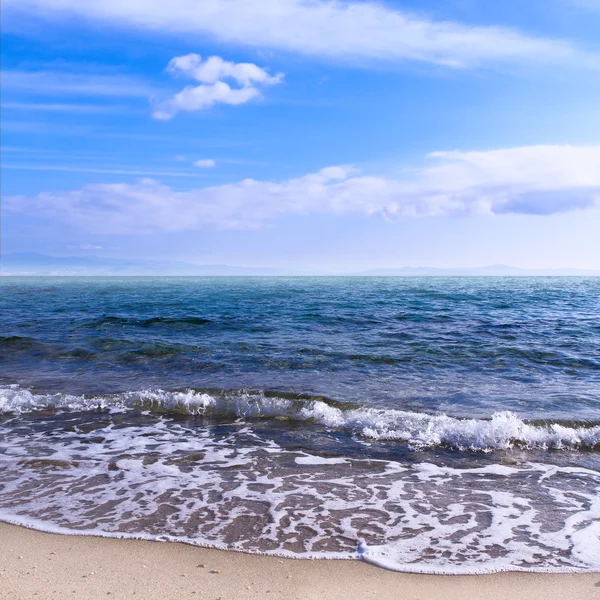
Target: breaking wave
{"points": [[504, 430]]}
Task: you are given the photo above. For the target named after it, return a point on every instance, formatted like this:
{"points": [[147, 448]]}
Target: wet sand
{"points": [[49, 566]]}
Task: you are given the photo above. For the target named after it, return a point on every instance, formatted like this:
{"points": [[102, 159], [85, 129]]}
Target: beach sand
{"points": [[41, 565]]}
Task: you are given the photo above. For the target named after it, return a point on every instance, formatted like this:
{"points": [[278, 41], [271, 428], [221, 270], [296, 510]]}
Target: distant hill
{"points": [[493, 270], [32, 264]]}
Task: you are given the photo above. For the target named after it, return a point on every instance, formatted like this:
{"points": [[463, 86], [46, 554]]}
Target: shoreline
{"points": [[35, 564]]}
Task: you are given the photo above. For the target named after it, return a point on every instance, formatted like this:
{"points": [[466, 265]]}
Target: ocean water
{"points": [[445, 425]]}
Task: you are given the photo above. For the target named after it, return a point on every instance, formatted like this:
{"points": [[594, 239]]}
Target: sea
{"points": [[430, 425]]}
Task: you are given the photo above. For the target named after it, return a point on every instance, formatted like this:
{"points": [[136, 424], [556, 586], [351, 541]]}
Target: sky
{"points": [[303, 134]]}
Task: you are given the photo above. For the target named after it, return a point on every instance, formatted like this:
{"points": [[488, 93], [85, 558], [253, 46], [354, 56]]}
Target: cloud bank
{"points": [[350, 31], [531, 180]]}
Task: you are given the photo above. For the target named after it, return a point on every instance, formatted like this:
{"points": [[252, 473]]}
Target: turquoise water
{"points": [[428, 424]]}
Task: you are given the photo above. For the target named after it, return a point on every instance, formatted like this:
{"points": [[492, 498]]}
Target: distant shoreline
{"points": [[32, 264]]}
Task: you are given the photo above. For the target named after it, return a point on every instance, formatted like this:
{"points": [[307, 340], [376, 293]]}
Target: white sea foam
{"points": [[502, 431], [318, 460], [237, 490]]}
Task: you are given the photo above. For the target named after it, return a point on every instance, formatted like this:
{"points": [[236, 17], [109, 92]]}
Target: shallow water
{"points": [[424, 424]]}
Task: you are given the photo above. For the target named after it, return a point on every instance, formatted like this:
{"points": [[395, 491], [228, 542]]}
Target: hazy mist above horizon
{"points": [[293, 137], [32, 264]]}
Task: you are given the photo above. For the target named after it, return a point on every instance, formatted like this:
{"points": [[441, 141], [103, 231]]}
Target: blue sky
{"points": [[320, 135]]}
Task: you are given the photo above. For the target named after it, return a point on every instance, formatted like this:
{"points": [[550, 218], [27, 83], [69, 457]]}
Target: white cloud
{"points": [[85, 247], [530, 180], [202, 97], [214, 69], [212, 90], [205, 163], [352, 31]]}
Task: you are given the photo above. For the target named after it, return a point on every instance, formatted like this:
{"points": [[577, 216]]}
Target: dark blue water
{"points": [[462, 346], [361, 385]]}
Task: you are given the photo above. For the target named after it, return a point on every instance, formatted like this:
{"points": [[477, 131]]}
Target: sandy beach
{"points": [[41, 565]]}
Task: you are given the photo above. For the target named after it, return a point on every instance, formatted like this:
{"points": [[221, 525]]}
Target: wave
{"points": [[149, 322], [504, 430]]}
